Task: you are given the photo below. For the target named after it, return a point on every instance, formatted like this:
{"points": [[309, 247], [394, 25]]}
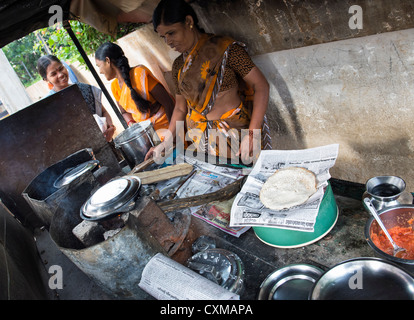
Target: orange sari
{"points": [[199, 81], [143, 82]]}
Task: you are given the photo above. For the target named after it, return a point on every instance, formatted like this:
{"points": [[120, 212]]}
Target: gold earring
{"points": [[191, 26]]}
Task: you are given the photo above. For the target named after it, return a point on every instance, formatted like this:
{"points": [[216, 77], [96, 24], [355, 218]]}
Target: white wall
{"points": [[12, 92]]}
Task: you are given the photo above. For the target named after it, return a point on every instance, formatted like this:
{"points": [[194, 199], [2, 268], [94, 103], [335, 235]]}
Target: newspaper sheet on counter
{"points": [[166, 279], [208, 178], [248, 210]]}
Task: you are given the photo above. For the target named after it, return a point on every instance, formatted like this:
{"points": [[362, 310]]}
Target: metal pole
{"points": [[68, 28]]}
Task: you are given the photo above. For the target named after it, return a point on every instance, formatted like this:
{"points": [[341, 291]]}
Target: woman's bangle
{"points": [[130, 122]]}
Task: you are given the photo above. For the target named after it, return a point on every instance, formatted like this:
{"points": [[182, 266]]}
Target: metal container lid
{"points": [[71, 174], [135, 132], [115, 197]]}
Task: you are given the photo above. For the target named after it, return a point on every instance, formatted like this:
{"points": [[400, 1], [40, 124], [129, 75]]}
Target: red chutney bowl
{"points": [[399, 222]]}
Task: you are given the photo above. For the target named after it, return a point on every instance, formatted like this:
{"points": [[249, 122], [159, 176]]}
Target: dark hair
{"points": [[117, 57], [44, 62], [173, 11]]}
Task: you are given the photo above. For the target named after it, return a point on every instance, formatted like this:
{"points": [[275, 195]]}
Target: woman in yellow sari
{"points": [[140, 96], [211, 77]]}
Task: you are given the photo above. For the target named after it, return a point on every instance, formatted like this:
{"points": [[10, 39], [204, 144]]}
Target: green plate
{"points": [[325, 221]]}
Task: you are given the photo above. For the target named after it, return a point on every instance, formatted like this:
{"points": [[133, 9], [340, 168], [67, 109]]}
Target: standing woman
{"points": [[140, 96], [211, 77], [56, 75]]}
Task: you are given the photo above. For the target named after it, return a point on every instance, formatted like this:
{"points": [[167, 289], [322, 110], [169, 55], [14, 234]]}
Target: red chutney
{"points": [[402, 236]]}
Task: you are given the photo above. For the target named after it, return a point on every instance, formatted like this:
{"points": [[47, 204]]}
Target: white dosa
{"points": [[288, 187]]}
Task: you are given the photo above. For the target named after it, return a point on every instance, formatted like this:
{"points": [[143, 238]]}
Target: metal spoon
{"points": [[398, 251]]}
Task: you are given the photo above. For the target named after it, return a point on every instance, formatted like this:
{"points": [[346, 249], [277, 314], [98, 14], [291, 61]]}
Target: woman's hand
{"points": [[109, 133], [159, 152], [153, 152], [250, 146]]}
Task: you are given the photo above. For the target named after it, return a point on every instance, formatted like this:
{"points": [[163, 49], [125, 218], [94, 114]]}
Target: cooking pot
{"points": [[135, 141], [48, 191]]}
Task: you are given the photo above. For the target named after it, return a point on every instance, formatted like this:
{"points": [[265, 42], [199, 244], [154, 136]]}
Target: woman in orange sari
{"points": [[211, 76], [140, 96]]}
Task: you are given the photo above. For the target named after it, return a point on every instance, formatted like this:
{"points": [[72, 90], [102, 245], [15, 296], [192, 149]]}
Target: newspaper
{"points": [[207, 178], [166, 279], [248, 210]]}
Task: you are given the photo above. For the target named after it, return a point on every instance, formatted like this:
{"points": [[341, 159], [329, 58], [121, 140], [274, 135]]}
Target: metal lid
{"points": [[71, 174], [117, 196], [133, 132]]}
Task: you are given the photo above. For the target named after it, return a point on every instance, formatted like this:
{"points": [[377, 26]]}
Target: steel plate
{"points": [[117, 196], [292, 282], [364, 279]]}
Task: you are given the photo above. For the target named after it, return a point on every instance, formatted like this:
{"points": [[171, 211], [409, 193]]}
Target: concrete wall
{"points": [[353, 92], [12, 92], [269, 25]]}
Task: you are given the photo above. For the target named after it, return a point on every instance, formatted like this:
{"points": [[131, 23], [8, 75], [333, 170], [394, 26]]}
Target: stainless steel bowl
{"points": [[391, 217], [364, 279], [292, 282]]}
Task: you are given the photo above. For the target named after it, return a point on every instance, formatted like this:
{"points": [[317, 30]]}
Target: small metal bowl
{"points": [[391, 217], [292, 282]]}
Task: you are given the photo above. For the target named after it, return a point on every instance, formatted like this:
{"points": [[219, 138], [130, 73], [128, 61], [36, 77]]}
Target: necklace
{"points": [[196, 38]]}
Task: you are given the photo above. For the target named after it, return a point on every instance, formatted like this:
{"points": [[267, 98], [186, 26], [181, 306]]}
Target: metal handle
{"points": [[149, 137], [373, 211]]}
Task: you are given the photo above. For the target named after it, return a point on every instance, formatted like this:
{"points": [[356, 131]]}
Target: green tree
{"points": [[24, 53], [58, 42], [55, 40], [23, 56]]}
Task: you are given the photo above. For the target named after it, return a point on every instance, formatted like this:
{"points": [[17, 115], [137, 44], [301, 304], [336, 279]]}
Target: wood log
{"points": [[220, 195], [173, 171], [142, 166]]}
